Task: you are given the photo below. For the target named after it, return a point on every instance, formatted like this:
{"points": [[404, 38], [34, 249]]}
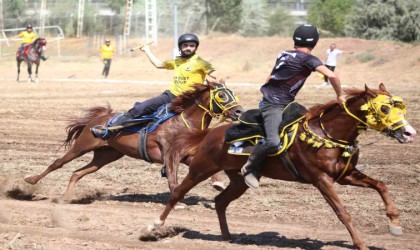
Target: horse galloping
{"points": [[196, 108], [31, 54], [322, 151]]}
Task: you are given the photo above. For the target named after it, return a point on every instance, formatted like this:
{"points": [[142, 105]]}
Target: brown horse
{"points": [[31, 54], [324, 152], [196, 108]]}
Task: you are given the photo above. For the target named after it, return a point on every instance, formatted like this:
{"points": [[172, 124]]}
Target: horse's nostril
{"points": [[238, 111]]}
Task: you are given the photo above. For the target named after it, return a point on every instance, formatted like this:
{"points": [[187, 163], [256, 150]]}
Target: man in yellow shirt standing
{"points": [[107, 51], [188, 68]]}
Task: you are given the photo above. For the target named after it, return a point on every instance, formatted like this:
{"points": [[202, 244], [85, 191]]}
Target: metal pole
{"points": [[175, 21]]}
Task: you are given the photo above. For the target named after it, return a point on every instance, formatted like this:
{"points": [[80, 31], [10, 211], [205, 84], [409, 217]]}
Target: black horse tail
{"points": [[77, 124]]}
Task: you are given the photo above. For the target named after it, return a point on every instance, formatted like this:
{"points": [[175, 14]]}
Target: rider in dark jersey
{"points": [[290, 72]]}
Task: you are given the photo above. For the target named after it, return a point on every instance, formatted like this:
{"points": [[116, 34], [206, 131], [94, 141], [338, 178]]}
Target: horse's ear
{"points": [[382, 87], [369, 91]]}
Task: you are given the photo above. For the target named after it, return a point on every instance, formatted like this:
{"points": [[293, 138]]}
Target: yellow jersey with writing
{"points": [[187, 72], [27, 38], [107, 51]]}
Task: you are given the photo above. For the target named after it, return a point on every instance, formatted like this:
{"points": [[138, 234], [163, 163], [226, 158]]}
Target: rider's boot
{"points": [[104, 133], [43, 57], [252, 167]]}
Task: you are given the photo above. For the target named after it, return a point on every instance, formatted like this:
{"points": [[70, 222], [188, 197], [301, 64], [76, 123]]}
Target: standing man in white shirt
{"points": [[332, 57]]}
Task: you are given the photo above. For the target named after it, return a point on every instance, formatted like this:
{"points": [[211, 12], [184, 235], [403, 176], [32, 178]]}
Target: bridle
{"points": [[221, 101]]}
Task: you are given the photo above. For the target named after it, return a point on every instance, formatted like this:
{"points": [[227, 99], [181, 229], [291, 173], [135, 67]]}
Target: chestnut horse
{"points": [[30, 55], [196, 108], [318, 154]]}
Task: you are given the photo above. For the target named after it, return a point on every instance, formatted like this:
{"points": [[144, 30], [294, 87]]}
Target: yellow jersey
{"points": [[27, 38], [187, 72], [107, 51]]}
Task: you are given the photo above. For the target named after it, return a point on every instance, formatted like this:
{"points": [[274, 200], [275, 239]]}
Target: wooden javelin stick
{"points": [[141, 46]]}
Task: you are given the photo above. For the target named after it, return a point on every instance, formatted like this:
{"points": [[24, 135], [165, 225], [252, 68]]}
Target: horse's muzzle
{"points": [[405, 134]]}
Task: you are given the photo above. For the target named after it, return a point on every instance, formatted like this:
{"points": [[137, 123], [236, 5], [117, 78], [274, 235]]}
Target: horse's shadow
{"points": [[271, 239], [160, 198]]}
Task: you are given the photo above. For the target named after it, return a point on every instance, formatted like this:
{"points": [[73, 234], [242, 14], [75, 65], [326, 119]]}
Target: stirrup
{"points": [[100, 131]]}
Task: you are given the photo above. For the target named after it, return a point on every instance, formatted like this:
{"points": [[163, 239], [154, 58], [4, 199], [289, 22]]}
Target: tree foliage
{"points": [[254, 19], [280, 23], [385, 19], [330, 15], [224, 15]]}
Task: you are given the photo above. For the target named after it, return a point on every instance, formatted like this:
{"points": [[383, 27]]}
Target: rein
{"points": [[210, 111]]}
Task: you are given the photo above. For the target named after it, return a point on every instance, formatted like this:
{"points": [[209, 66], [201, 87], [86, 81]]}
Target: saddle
{"points": [[243, 136], [23, 51], [145, 125]]}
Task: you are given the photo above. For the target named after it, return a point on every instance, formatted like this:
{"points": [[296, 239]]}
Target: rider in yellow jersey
{"points": [[28, 37], [188, 68], [107, 51]]}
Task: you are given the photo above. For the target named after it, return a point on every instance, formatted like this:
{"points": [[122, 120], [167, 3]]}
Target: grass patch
{"points": [[365, 57]]}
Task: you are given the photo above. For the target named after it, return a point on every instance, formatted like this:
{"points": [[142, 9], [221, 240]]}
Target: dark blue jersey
{"points": [[288, 76]]}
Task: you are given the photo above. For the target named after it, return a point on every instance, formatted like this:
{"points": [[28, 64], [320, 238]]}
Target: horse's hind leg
{"points": [[326, 186], [359, 179], [233, 191], [101, 157], [72, 154]]}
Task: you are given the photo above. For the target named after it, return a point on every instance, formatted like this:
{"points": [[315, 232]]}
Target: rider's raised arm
{"points": [[152, 58], [335, 82]]}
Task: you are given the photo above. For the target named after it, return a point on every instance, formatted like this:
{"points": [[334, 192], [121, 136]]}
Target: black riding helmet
{"points": [[29, 26], [188, 37], [306, 35]]}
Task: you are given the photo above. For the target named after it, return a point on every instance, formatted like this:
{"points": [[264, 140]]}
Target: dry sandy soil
{"points": [[110, 207]]}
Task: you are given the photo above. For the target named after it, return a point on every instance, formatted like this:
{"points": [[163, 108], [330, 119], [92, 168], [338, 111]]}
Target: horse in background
{"points": [[322, 149], [31, 54]]}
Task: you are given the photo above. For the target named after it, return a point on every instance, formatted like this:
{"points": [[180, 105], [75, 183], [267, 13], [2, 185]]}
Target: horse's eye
{"points": [[222, 96], [385, 109]]}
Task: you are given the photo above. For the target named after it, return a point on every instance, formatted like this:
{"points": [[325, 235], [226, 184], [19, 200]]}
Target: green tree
{"points": [[254, 19], [330, 15], [280, 23], [385, 19], [224, 15]]}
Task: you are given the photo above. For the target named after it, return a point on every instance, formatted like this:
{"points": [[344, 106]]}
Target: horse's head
{"points": [[40, 44], [223, 102], [386, 114]]}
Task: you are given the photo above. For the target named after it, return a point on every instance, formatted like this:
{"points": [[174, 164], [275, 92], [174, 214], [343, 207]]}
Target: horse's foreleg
{"points": [[233, 191], [216, 182], [101, 157], [30, 72], [190, 181], [72, 154], [326, 186], [36, 73], [359, 179], [18, 62]]}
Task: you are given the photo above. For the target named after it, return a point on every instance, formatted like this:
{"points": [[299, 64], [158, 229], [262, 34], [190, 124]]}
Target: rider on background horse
{"points": [[189, 68], [290, 72], [28, 37]]}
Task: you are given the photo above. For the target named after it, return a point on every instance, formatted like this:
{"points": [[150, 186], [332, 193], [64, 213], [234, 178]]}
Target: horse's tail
{"points": [[183, 143], [77, 124]]}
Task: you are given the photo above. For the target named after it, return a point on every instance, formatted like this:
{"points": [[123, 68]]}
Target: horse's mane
{"points": [[351, 93], [186, 99]]}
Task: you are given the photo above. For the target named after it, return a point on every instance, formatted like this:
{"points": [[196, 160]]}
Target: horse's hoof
{"points": [[179, 206], [394, 230], [218, 186], [31, 180]]}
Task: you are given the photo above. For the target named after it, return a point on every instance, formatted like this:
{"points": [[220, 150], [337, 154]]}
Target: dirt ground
{"points": [[110, 208]]}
